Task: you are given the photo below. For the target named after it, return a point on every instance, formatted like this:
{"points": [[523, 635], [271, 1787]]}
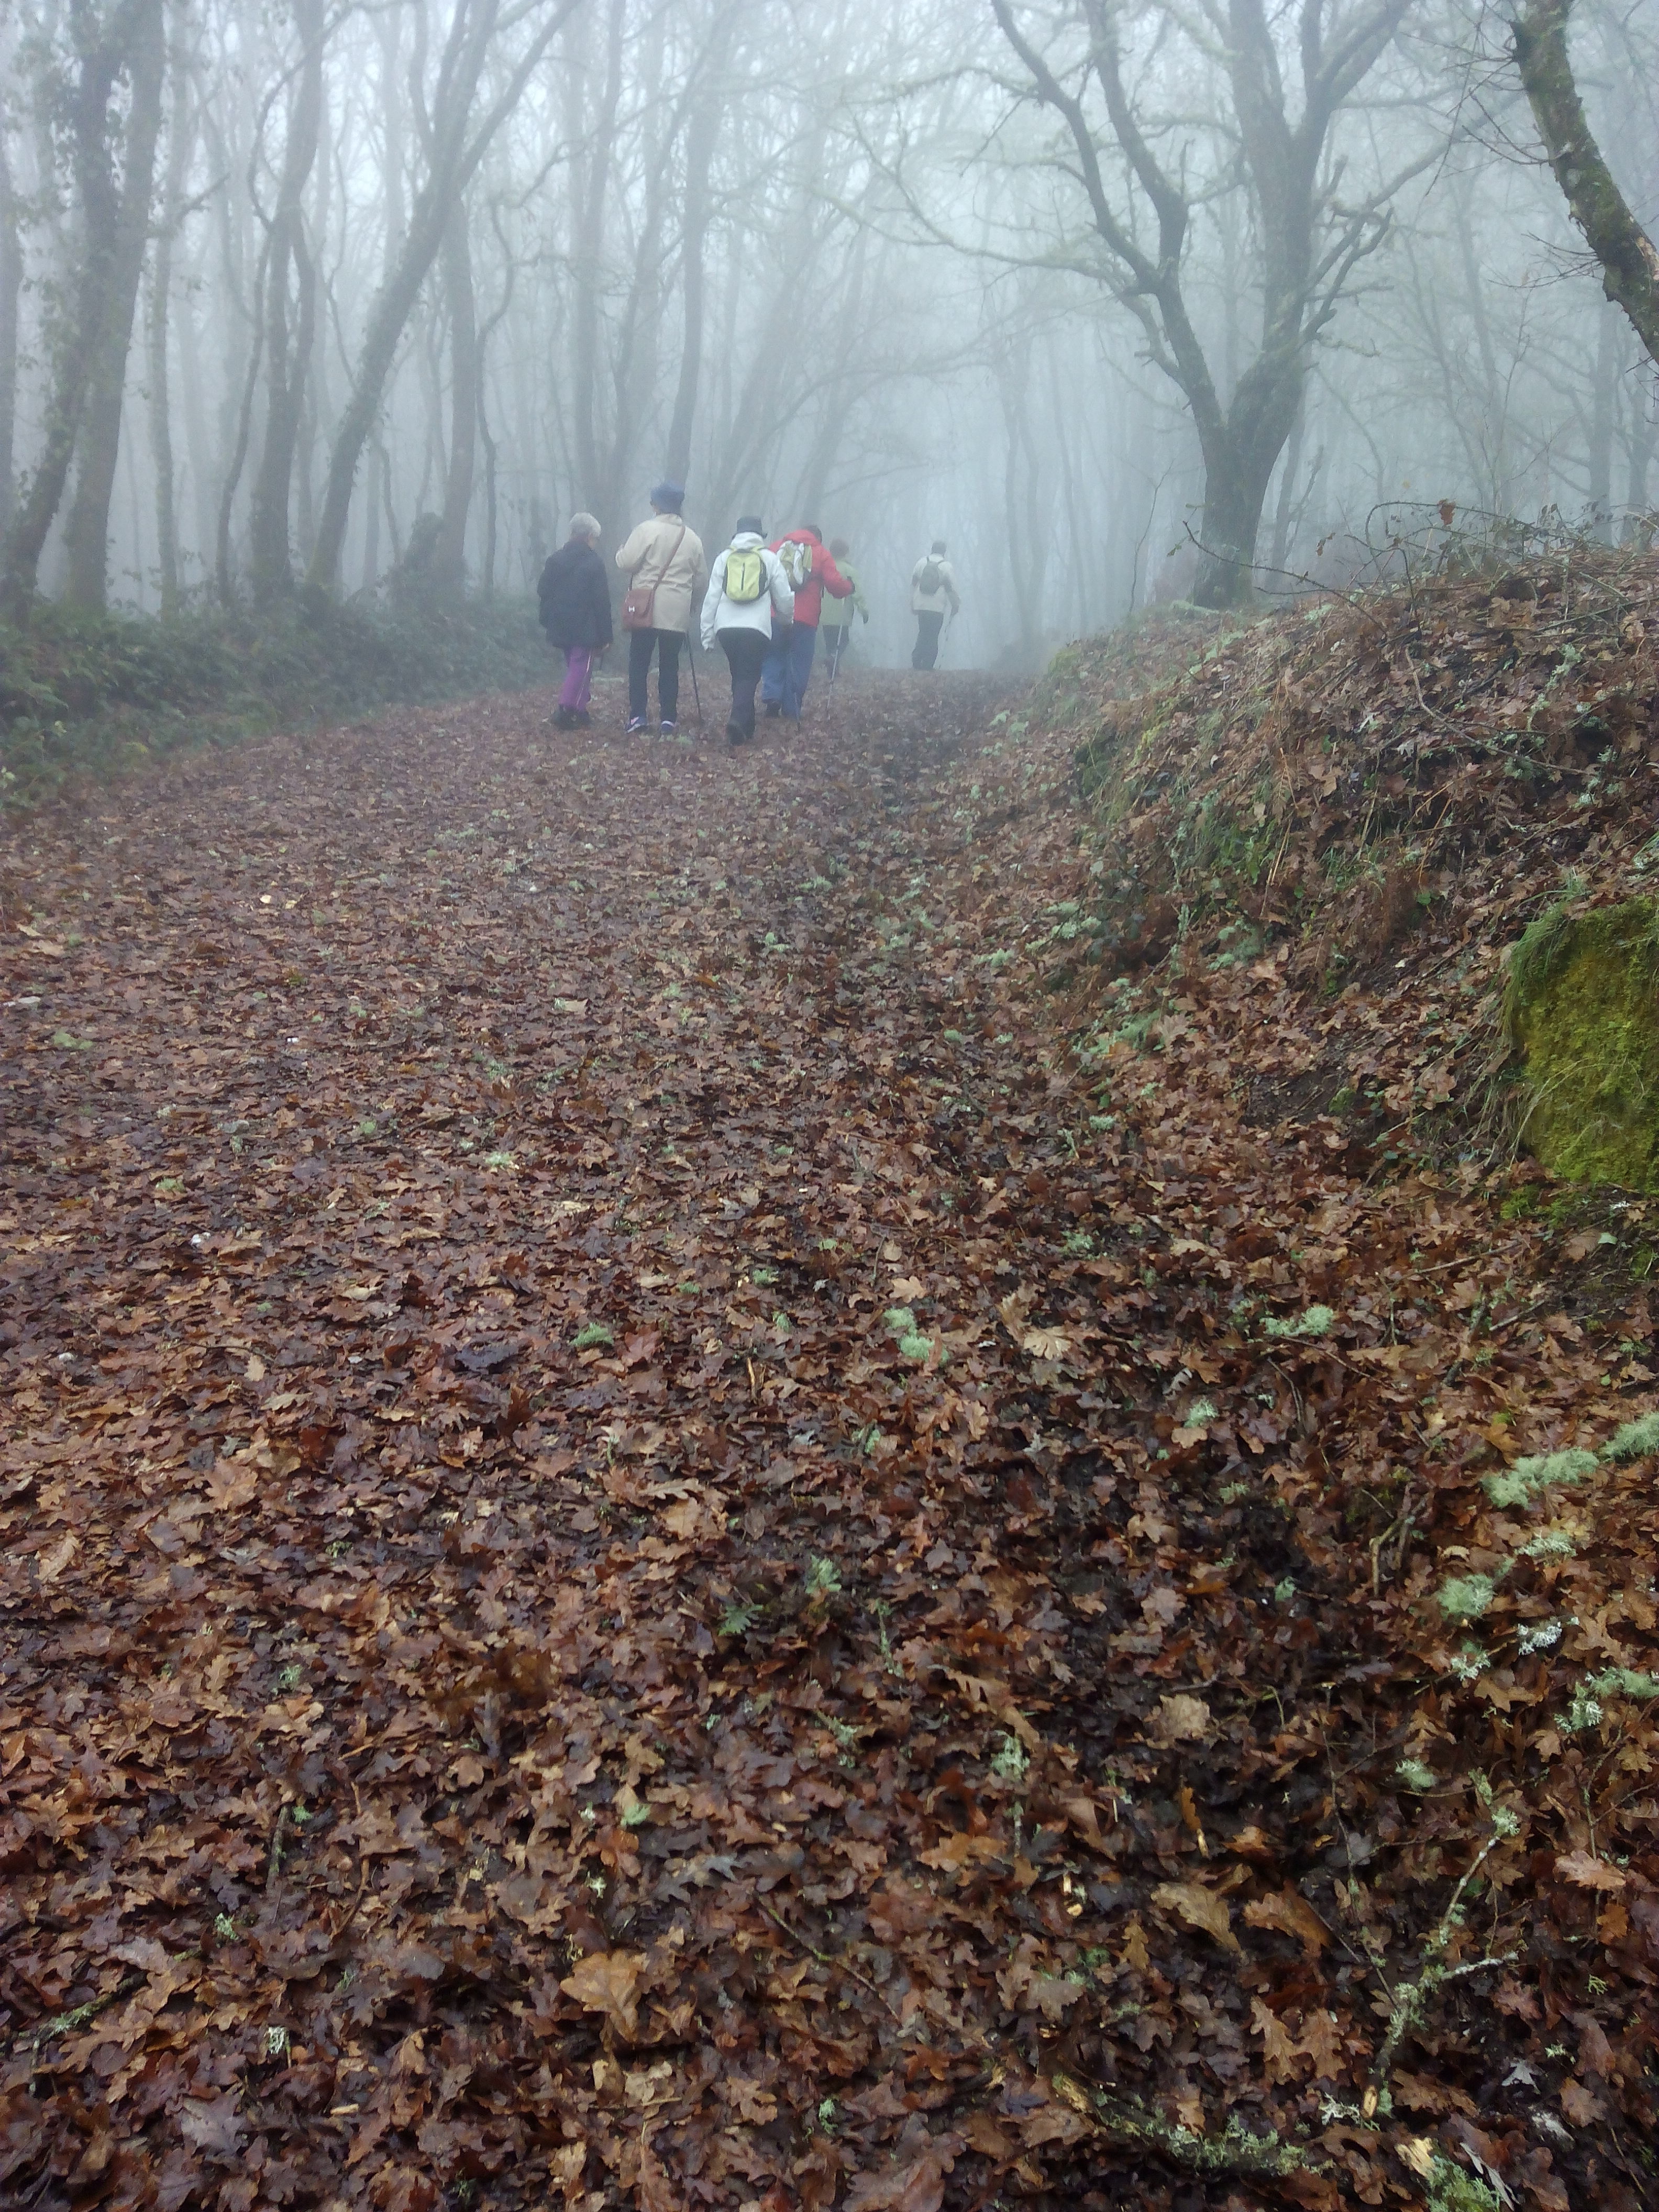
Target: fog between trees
{"points": [[371, 299]]}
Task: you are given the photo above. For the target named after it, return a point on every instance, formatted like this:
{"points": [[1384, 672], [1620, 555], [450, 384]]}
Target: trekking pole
{"points": [[691, 658]]}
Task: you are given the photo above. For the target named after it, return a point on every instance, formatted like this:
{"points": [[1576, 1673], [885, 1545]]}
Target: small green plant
{"points": [[1584, 1712], [1315, 1323], [1466, 1597], [276, 2043], [224, 1927], [738, 1618], [1415, 1774], [822, 1579], [1519, 1485], [1625, 1682], [290, 1678], [1011, 1761], [591, 1336], [636, 1815], [500, 1159], [1635, 1440]]}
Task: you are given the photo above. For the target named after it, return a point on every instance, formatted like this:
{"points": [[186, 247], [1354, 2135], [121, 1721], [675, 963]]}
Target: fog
{"points": [[1125, 302]]}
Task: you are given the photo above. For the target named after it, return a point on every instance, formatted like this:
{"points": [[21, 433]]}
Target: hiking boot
{"points": [[638, 726], [735, 736], [564, 719], [581, 719], [773, 709], [668, 729]]}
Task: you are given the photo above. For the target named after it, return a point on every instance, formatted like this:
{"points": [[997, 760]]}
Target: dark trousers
{"points": [[641, 644], [925, 654], [745, 650], [789, 669]]}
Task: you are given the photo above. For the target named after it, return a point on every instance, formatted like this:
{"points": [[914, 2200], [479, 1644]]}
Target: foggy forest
{"points": [[828, 1105]]}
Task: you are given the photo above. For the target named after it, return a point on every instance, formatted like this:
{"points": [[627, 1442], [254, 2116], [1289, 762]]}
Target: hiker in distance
{"points": [[811, 572], [747, 591], [837, 621], [574, 599], [932, 596], [664, 563]]}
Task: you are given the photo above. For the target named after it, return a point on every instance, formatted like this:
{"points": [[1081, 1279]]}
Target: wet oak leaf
{"points": [[608, 1982], [1199, 1908]]}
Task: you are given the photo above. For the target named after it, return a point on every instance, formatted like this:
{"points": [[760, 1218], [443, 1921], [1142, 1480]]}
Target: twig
{"points": [[64, 2023], [824, 1958], [335, 1933], [274, 1862], [1412, 2000], [1236, 2150]]}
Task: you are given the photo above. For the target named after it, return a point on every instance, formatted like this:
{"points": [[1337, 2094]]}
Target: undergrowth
{"points": [[98, 695]]}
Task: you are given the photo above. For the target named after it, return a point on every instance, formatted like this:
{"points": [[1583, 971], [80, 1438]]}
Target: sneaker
{"points": [[668, 729], [638, 726], [564, 718], [581, 720]]}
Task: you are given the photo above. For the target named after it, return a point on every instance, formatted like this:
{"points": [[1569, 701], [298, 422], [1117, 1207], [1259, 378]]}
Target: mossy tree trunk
{"points": [[1630, 262], [127, 43]]}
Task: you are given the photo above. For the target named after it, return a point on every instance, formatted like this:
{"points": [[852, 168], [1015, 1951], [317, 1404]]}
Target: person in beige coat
{"points": [[666, 558]]}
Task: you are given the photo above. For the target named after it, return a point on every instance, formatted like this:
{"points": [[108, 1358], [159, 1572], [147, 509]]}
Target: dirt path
{"points": [[602, 1601]]}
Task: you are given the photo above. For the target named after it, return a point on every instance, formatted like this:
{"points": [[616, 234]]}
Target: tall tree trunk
{"points": [[588, 263], [701, 140], [270, 552], [181, 135], [86, 533], [1604, 401], [449, 561], [11, 286]]}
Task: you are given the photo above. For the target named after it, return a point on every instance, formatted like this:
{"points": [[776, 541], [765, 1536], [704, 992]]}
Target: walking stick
{"points": [[691, 660]]}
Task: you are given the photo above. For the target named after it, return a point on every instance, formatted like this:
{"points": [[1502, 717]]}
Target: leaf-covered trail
{"points": [[594, 1607]]}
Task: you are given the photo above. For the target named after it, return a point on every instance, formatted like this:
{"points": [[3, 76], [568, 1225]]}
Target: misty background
{"points": [[368, 301]]}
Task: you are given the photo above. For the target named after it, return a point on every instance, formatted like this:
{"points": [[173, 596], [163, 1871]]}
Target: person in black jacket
{"points": [[574, 596]]}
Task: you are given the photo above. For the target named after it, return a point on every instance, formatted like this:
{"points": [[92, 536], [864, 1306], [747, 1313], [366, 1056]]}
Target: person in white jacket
{"points": [[747, 586], [933, 595]]}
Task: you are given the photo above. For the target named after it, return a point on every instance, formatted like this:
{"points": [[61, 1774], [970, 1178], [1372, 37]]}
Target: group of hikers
{"points": [[762, 603]]}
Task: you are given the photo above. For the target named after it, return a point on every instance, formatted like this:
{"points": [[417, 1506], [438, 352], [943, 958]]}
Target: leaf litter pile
{"points": [[682, 1528]]}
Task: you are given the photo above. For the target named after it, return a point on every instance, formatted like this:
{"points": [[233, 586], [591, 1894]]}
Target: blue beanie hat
{"points": [[670, 496]]}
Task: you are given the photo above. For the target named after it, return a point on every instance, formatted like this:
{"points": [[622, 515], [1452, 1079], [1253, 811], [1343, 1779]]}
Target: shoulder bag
{"points": [[639, 609]]}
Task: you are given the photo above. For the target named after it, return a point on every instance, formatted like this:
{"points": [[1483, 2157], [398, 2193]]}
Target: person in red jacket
{"points": [[811, 573]]}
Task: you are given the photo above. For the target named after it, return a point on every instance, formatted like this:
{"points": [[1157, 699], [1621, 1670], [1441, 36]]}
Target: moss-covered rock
{"points": [[1582, 1011]]}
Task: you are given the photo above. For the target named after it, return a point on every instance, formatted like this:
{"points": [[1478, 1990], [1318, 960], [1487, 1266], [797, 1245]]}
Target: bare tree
{"points": [[454, 141], [289, 305], [1307, 242]]}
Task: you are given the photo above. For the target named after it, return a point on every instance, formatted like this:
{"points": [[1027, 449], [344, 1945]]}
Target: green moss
{"points": [[1520, 1483], [1583, 1010]]}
